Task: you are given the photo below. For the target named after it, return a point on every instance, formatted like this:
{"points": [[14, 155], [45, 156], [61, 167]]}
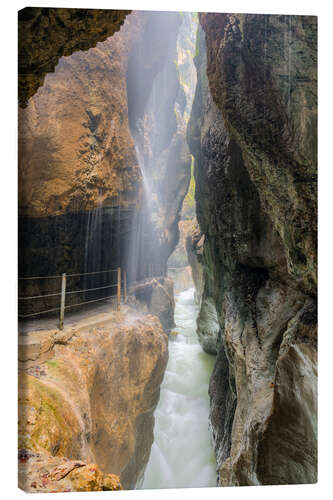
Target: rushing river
{"points": [[182, 455]]}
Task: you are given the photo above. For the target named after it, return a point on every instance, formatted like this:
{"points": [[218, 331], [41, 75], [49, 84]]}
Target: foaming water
{"points": [[182, 455]]}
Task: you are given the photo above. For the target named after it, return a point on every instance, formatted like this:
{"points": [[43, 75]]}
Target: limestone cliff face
{"points": [[262, 73], [75, 147], [89, 394], [253, 134], [47, 34]]}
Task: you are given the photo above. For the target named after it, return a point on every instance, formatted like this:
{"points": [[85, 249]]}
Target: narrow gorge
{"points": [[168, 206]]}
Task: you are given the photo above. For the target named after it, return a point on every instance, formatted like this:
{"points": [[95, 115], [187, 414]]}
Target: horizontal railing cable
{"points": [[175, 268], [67, 293], [89, 301], [68, 275], [93, 272], [40, 312], [91, 289], [62, 307], [38, 277], [66, 307], [39, 296]]}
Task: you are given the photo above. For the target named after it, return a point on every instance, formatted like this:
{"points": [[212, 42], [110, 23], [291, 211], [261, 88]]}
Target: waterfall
{"points": [[156, 124], [143, 258], [104, 242], [93, 250], [93, 243]]}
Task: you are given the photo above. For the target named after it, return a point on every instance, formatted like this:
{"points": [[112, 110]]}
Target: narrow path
{"points": [[71, 318], [182, 455]]}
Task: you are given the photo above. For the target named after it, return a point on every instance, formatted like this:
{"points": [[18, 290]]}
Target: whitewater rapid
{"points": [[182, 454]]}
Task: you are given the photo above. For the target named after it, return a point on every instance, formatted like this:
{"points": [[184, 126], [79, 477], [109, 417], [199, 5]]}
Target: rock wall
{"points": [[253, 134], [88, 394], [75, 147]]}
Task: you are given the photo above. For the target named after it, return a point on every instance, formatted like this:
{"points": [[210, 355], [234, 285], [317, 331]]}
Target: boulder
{"points": [[155, 296]]}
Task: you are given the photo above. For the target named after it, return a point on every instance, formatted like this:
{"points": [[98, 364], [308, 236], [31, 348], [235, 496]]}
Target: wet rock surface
{"points": [[208, 328], [253, 134], [91, 399], [156, 296]]}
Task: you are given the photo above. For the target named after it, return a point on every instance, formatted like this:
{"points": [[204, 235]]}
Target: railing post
{"points": [[125, 286], [62, 303], [119, 289]]}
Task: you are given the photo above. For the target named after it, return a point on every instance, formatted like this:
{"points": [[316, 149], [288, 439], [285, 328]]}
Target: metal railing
{"points": [[63, 292], [177, 268], [120, 284]]}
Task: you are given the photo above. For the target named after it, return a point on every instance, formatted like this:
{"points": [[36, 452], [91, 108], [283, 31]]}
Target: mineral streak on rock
{"points": [[253, 134], [90, 399]]}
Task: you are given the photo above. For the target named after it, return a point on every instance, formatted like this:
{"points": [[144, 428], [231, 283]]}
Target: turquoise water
{"points": [[182, 455]]}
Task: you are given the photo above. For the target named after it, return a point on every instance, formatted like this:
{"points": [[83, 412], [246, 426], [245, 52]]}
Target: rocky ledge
{"points": [[87, 396]]}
